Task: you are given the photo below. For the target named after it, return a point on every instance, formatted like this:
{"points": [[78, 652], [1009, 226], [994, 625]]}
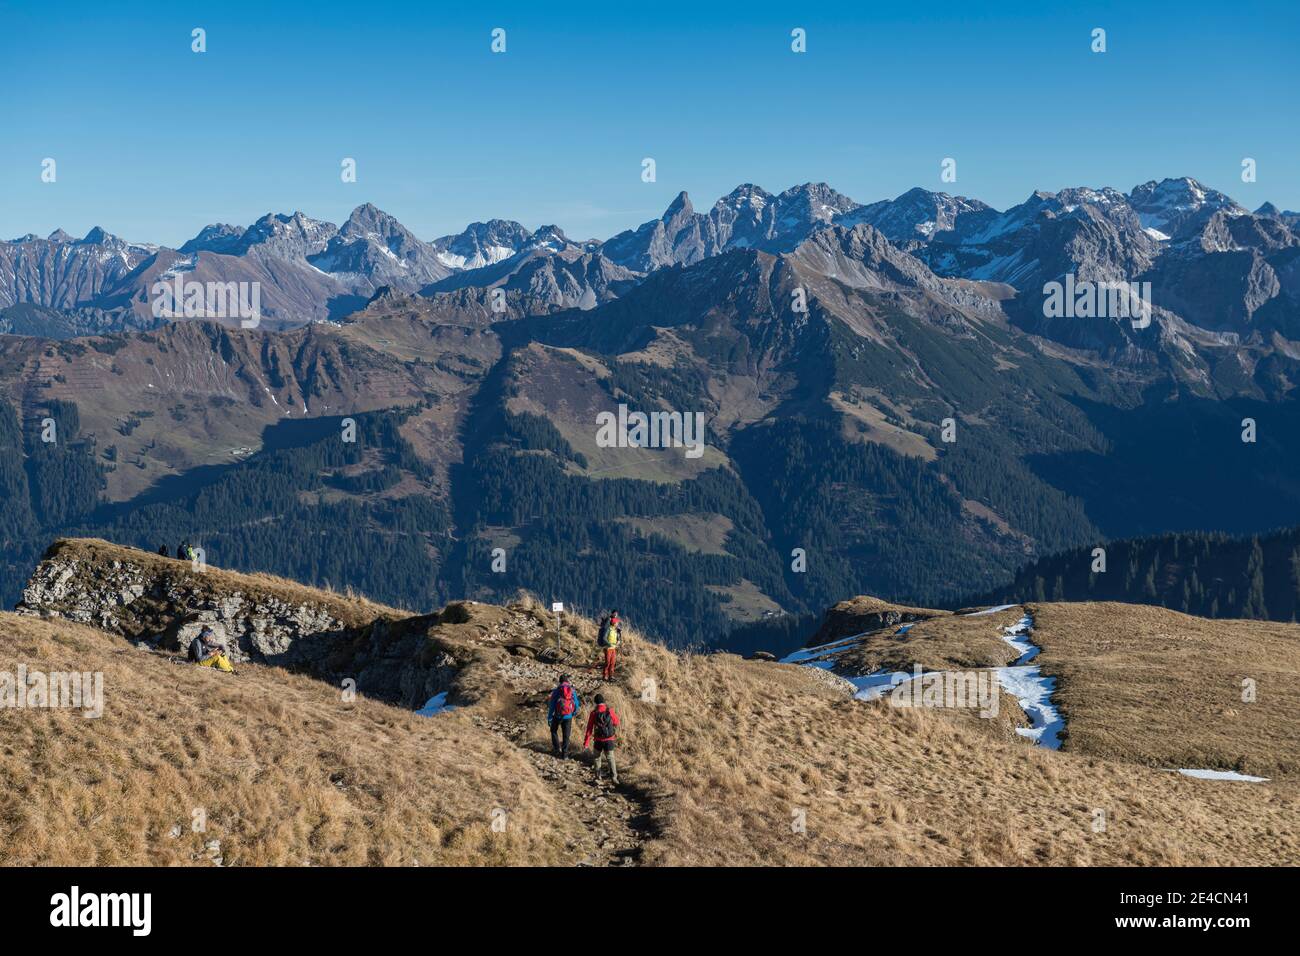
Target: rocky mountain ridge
{"points": [[1161, 232]]}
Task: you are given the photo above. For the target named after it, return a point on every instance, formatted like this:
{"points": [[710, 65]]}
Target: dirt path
{"points": [[616, 820]]}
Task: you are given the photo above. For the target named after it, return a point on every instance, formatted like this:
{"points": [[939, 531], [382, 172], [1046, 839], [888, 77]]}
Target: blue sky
{"points": [[153, 141]]}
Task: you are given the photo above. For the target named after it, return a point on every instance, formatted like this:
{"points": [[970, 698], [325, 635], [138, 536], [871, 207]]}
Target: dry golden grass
{"points": [[868, 604], [1165, 689], [287, 773], [722, 753], [735, 748], [863, 614], [945, 642]]}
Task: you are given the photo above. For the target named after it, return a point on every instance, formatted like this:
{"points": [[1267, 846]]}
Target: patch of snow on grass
{"points": [[1034, 692], [991, 610], [1221, 775], [822, 650], [1030, 688], [1017, 636], [877, 685], [437, 704]]}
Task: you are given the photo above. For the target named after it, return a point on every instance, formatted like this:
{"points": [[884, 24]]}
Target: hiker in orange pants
{"points": [[611, 632]]}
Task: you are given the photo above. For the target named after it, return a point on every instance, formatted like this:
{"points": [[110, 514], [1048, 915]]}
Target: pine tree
{"points": [[1253, 605]]}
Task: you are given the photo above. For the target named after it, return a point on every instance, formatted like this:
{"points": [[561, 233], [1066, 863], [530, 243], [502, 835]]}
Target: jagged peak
{"points": [[681, 205], [368, 215], [1181, 191], [98, 236], [746, 194]]}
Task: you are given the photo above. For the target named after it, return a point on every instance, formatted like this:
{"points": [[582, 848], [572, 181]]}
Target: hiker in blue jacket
{"points": [[560, 712]]}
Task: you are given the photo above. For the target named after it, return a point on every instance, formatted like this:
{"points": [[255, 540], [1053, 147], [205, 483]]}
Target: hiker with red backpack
{"points": [[603, 723], [607, 639], [560, 712]]}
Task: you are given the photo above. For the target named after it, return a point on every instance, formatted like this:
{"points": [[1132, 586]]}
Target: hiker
{"points": [[607, 639], [207, 651], [184, 552], [200, 646], [560, 712], [162, 550], [602, 723]]}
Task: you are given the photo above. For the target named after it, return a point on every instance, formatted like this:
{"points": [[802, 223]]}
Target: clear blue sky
{"points": [[153, 141]]}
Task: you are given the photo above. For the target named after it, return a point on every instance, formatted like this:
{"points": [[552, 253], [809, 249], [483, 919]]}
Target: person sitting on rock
{"points": [[207, 651], [200, 646], [560, 712], [162, 550]]}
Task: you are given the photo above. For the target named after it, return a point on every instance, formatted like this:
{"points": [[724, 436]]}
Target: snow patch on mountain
{"points": [[1032, 690], [1221, 775]]}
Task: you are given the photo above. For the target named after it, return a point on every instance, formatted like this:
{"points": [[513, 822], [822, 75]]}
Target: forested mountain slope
{"points": [[1212, 575], [867, 425]]}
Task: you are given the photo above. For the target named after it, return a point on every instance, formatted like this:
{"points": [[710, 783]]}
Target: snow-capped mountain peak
{"points": [[1178, 207], [481, 244]]}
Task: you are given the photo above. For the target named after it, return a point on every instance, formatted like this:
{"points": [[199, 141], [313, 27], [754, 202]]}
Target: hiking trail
{"points": [[616, 821]]}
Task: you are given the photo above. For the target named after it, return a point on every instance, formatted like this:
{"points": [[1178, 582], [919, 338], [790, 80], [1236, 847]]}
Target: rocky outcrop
{"points": [[165, 603], [861, 614], [162, 604]]}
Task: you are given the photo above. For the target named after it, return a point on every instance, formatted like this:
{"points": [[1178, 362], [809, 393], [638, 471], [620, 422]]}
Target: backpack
{"points": [[564, 706], [604, 724]]}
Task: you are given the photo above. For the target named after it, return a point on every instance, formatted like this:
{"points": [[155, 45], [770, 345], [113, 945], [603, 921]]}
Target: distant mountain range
{"points": [[890, 408], [1184, 238]]}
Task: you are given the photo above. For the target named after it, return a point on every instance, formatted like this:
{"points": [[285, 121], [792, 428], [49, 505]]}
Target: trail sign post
{"points": [[557, 607]]}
